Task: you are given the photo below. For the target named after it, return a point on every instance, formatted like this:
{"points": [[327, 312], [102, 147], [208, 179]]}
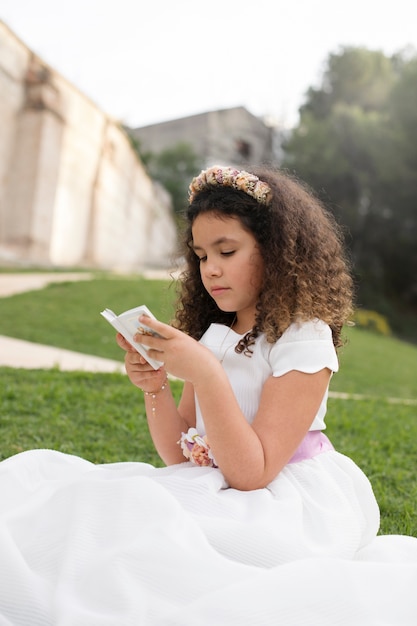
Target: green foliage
{"points": [[356, 145], [355, 76], [143, 156], [372, 320], [173, 167]]}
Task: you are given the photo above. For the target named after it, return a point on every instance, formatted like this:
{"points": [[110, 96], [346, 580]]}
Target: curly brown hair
{"points": [[306, 274]]}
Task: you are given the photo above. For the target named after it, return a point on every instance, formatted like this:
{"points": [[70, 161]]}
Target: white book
{"points": [[127, 324]]}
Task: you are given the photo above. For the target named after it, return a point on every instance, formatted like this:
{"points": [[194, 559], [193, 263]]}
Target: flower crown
{"points": [[230, 177]]}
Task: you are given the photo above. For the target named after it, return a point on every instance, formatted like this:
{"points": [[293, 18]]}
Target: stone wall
{"points": [[72, 190]]}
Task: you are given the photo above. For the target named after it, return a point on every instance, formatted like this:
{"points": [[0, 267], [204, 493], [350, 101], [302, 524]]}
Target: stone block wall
{"points": [[72, 190]]}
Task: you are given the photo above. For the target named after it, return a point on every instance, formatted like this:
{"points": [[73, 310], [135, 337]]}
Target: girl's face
{"points": [[231, 265]]}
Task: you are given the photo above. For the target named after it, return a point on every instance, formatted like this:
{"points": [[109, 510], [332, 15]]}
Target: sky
{"points": [[148, 61]]}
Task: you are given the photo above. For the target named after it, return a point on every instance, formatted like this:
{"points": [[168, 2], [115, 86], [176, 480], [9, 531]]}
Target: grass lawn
{"points": [[68, 314], [101, 416]]}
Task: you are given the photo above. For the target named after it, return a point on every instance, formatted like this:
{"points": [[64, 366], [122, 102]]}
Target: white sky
{"points": [[148, 61]]}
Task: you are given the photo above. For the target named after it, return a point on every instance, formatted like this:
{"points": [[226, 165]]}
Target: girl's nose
{"points": [[212, 268]]}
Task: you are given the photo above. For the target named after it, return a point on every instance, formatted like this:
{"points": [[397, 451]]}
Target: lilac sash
{"points": [[315, 442]]}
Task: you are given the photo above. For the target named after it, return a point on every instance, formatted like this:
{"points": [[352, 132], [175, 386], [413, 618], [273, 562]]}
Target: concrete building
{"points": [[73, 192], [228, 137]]}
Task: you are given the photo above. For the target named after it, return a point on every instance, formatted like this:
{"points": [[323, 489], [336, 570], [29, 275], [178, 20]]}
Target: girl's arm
{"points": [[249, 455], [165, 421]]}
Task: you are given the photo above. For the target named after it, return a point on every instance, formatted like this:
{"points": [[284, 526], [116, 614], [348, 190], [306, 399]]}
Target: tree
{"points": [[355, 76], [356, 146], [173, 167]]}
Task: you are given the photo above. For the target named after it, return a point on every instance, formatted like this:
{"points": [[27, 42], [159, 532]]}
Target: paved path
{"points": [[11, 284], [18, 353]]}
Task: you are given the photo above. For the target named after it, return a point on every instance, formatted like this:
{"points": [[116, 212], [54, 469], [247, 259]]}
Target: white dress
{"points": [[129, 544]]}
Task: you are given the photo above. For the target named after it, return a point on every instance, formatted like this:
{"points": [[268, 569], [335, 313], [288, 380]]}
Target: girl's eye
{"points": [[203, 259]]}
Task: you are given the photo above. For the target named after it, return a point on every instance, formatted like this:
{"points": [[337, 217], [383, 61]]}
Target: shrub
{"points": [[371, 320]]}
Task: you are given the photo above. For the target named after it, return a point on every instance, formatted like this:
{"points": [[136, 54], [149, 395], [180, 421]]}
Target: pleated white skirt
{"points": [[126, 543]]}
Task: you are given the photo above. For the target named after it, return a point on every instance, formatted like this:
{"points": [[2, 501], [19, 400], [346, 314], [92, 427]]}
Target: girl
{"points": [[255, 519], [264, 297]]}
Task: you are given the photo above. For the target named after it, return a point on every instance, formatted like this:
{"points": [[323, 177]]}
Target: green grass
{"points": [[375, 365], [382, 439], [68, 314], [101, 417]]}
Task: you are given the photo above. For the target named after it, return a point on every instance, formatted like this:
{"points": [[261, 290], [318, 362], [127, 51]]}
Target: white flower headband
{"points": [[230, 177]]}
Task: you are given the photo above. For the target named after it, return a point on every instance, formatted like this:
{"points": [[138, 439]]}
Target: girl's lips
{"points": [[216, 291]]}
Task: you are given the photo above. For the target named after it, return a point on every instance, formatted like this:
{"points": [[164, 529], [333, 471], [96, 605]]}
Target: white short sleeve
{"points": [[305, 347]]}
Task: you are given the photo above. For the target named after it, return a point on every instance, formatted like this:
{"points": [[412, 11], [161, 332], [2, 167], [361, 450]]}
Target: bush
{"points": [[371, 320]]}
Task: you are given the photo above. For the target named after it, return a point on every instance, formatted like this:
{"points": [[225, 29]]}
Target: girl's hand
{"points": [[182, 355], [140, 373]]}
